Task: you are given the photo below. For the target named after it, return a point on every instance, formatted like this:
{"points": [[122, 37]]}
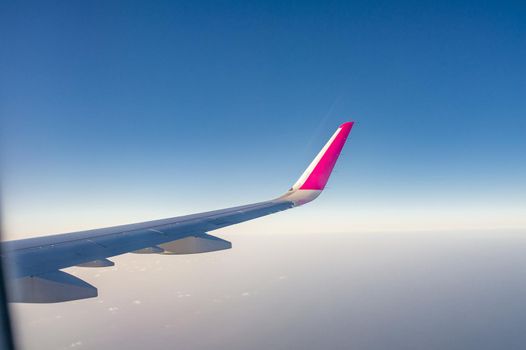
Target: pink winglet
{"points": [[319, 176]]}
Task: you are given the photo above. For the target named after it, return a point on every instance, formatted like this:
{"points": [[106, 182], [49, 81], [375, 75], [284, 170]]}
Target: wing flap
{"points": [[97, 263], [148, 250], [195, 244], [54, 287]]}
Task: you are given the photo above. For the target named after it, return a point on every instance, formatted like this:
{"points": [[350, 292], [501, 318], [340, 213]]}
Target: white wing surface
{"points": [[35, 263]]}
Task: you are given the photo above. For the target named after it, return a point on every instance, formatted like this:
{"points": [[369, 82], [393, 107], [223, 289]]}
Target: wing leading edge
{"points": [[35, 263]]}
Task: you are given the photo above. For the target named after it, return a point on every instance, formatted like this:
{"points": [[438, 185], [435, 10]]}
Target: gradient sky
{"points": [[116, 112]]}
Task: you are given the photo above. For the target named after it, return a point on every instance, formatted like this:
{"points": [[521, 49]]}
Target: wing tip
{"points": [[315, 177], [348, 124]]}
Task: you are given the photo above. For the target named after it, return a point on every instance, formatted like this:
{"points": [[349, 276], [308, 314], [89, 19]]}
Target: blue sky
{"points": [[115, 112]]}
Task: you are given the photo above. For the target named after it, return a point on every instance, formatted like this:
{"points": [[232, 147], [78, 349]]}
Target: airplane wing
{"points": [[35, 263]]}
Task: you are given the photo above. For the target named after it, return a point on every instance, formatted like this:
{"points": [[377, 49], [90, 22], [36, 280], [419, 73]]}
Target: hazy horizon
{"points": [[282, 291]]}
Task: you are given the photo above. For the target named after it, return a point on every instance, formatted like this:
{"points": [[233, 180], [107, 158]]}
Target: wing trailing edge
{"points": [[53, 287]]}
